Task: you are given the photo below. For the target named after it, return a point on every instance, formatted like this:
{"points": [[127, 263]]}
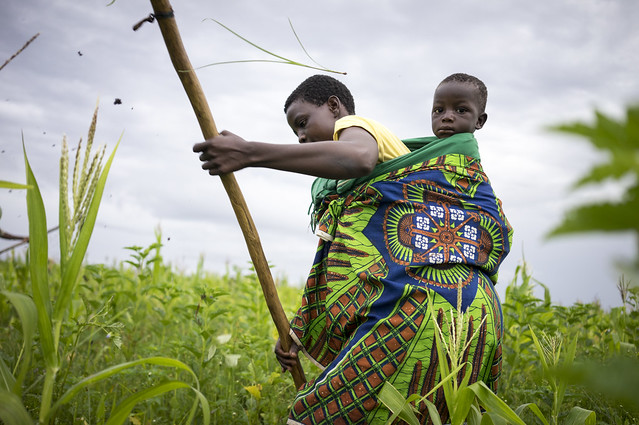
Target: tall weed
{"points": [[52, 306]]}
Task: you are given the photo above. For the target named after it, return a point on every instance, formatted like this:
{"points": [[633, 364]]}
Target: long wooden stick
{"points": [[164, 14]]}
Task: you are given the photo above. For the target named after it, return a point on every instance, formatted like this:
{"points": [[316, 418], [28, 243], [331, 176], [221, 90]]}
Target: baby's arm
{"points": [[355, 155]]}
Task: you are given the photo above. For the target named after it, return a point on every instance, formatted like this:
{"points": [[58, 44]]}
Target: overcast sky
{"points": [[545, 62]]}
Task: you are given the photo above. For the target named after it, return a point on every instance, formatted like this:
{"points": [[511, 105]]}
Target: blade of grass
{"points": [[206, 410], [444, 368], [396, 403], [302, 46], [282, 58], [110, 371], [433, 413], [567, 362], [7, 381], [29, 319], [123, 410], [38, 269], [38, 248], [12, 412], [10, 185]]}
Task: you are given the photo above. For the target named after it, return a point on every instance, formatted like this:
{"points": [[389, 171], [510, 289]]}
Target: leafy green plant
{"points": [[602, 338], [550, 357], [619, 139], [42, 317]]}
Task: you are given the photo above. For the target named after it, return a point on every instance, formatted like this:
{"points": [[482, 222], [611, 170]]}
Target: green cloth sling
{"points": [[422, 149]]}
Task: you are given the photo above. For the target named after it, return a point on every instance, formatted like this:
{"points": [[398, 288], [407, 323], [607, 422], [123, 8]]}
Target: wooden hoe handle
{"points": [[164, 14]]}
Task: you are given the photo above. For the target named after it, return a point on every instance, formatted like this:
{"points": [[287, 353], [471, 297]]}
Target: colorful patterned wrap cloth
{"points": [[399, 239]]}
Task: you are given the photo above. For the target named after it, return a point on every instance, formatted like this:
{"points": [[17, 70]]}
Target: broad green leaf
{"points": [[621, 140], [490, 418], [204, 403], [433, 413], [486, 420], [123, 410], [71, 272], [606, 133], [463, 401], [28, 314], [616, 169], [533, 408], [494, 404], [12, 411], [38, 265], [9, 185], [395, 402], [605, 217], [474, 415], [579, 416]]}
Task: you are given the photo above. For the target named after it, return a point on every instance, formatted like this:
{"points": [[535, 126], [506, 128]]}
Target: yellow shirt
{"points": [[389, 146]]}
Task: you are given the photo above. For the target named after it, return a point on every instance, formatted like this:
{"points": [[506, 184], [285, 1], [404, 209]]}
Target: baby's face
{"points": [[456, 110], [309, 122]]}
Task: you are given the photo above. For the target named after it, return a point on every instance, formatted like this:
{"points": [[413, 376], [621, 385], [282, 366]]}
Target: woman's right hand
{"points": [[223, 154], [287, 359]]}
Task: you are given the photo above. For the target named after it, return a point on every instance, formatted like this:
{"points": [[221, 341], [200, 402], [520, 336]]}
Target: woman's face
{"points": [[311, 123]]}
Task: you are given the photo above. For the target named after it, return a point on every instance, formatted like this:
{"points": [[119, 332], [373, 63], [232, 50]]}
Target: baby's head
{"points": [[459, 105], [315, 105]]}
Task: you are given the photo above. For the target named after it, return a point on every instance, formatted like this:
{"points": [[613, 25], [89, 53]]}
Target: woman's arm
{"points": [[355, 155]]}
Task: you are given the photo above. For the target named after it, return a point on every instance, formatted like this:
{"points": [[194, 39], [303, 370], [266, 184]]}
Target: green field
{"points": [[219, 326]]}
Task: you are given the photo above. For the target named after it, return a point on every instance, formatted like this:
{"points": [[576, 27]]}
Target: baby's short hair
{"points": [[318, 88], [479, 85]]}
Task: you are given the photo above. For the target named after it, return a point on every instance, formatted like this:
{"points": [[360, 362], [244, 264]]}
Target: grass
{"points": [[217, 325]]}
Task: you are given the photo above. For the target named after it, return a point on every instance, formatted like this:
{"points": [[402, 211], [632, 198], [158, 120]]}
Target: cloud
{"points": [[545, 62]]}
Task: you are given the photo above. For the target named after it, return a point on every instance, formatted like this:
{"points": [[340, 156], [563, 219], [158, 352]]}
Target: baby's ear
{"points": [[481, 120]]}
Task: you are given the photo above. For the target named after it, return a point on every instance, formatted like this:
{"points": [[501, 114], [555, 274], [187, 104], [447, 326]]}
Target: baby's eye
{"points": [[437, 110], [462, 110], [301, 123]]}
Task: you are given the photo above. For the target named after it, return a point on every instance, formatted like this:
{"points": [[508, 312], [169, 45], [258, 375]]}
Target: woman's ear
{"points": [[335, 106], [481, 120]]}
